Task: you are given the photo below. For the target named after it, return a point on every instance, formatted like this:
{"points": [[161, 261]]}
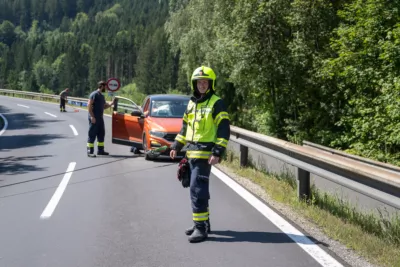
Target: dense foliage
{"points": [[320, 70], [48, 45]]}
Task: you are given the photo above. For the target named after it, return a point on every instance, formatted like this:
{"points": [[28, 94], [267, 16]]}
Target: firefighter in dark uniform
{"points": [[96, 106], [63, 98], [205, 134]]}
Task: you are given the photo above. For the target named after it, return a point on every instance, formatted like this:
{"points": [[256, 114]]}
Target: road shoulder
{"points": [[300, 222]]}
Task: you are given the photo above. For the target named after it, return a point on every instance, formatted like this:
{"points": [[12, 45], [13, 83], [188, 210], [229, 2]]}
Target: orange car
{"points": [[154, 124]]}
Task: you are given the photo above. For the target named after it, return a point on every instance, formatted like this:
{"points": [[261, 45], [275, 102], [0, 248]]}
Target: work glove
{"points": [[184, 172]]}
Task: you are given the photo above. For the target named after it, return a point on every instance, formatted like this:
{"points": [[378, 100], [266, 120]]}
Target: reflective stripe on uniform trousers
{"points": [[198, 217]]}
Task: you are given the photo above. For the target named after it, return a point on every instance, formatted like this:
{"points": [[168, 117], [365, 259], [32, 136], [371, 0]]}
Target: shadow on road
{"points": [[28, 140], [259, 237], [4, 109], [18, 165], [19, 121]]}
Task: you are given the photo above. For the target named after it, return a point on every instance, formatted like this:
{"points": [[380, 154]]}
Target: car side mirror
{"points": [[136, 113]]}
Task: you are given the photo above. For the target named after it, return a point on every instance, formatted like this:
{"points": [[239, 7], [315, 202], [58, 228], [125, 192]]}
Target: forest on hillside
{"points": [[318, 70]]}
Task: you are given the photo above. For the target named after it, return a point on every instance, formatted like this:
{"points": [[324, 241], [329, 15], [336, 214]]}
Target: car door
{"points": [[127, 123], [146, 106]]}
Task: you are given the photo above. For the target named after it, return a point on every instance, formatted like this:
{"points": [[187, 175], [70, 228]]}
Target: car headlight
{"points": [[157, 134]]}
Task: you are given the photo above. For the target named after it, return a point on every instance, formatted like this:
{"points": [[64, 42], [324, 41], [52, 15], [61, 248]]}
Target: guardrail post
{"points": [[303, 184], [244, 153]]}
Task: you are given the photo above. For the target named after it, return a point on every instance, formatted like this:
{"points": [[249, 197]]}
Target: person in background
{"points": [[205, 134], [63, 99], [96, 106]]}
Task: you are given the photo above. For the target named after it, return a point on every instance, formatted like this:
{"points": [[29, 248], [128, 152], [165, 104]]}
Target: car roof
{"points": [[169, 97]]}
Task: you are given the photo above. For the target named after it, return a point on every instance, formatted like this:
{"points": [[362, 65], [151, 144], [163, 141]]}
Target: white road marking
{"points": [[305, 243], [73, 129], [48, 211], [5, 124], [51, 114], [22, 106]]}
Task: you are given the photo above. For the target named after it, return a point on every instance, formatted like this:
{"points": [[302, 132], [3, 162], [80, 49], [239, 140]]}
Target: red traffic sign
{"points": [[113, 84]]}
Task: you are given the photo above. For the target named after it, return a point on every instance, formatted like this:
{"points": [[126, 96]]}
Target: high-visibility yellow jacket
{"points": [[205, 128]]}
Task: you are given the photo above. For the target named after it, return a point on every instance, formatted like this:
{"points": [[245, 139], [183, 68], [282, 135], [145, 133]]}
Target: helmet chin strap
{"points": [[200, 95], [197, 93]]}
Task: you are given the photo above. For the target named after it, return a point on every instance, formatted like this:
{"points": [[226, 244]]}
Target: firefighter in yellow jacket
{"points": [[205, 134]]}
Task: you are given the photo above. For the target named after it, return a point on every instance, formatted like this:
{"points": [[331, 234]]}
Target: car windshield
{"points": [[174, 108]]}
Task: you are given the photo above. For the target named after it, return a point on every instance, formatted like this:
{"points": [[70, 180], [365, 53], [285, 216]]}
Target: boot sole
{"points": [[198, 240], [191, 232]]}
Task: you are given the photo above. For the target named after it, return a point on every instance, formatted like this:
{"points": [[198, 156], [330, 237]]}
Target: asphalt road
{"points": [[119, 210]]}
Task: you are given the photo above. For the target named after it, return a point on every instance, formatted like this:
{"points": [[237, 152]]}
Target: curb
{"points": [[5, 124]]}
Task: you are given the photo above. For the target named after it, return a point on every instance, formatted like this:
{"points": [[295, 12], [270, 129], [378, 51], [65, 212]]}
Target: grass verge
{"points": [[373, 237]]}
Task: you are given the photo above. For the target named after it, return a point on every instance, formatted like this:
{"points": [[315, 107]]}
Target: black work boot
{"points": [[198, 235], [190, 230], [90, 151], [101, 151]]}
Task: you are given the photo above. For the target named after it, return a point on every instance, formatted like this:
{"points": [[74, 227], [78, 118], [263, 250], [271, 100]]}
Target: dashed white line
{"points": [[22, 106], [48, 211], [51, 114], [5, 124], [73, 129], [305, 243]]}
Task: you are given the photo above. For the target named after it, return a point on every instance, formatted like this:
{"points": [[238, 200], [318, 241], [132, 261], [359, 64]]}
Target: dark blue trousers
{"points": [[199, 190], [62, 104], [96, 130]]}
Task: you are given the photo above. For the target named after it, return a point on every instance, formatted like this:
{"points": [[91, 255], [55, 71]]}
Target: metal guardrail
{"points": [[75, 101], [353, 157], [376, 182]]}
